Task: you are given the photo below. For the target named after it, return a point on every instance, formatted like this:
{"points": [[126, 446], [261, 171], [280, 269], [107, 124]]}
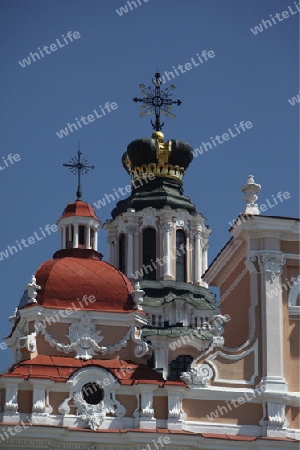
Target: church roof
{"points": [[60, 369], [79, 208], [73, 274]]}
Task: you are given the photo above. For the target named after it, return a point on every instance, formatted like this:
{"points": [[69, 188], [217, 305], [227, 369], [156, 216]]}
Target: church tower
{"points": [[159, 239]]}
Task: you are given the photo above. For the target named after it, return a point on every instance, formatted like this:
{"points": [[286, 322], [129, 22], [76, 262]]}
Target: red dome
{"points": [[73, 274], [79, 208]]}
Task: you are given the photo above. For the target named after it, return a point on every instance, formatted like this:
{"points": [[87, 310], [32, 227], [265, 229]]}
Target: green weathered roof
{"points": [[176, 332], [161, 292]]}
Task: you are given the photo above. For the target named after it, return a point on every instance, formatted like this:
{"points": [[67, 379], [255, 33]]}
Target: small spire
{"points": [[251, 191], [157, 101], [81, 167]]}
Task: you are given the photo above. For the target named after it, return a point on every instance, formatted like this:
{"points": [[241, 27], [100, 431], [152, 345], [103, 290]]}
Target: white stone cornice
{"points": [[292, 256], [173, 389], [50, 438], [12, 380], [258, 395], [79, 220], [41, 382], [260, 226], [106, 318]]}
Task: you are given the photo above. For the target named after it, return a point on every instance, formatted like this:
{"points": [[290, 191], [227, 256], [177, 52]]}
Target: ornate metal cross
{"points": [[157, 100], [81, 167]]}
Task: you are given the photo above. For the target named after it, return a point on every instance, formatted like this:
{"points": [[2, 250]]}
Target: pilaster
{"points": [[161, 354], [130, 251], [167, 229], [271, 266]]}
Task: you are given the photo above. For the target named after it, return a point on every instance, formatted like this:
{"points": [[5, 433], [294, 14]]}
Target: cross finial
{"points": [[81, 167], [157, 100]]}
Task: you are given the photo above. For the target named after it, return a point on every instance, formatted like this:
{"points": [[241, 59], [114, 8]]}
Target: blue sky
{"points": [[250, 78]]}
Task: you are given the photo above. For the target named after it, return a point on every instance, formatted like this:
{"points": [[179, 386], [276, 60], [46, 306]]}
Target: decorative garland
{"points": [[74, 346]]}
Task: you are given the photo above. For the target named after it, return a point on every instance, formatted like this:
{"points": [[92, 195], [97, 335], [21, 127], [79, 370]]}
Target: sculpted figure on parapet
{"points": [[218, 321]]}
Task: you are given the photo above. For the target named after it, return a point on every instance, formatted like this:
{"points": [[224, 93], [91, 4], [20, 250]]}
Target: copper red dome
{"points": [[79, 208], [73, 274]]}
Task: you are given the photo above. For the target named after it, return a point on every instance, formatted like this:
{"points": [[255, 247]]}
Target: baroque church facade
{"points": [[134, 353]]}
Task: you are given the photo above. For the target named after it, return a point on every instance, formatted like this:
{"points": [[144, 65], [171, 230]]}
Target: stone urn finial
{"points": [[251, 191]]}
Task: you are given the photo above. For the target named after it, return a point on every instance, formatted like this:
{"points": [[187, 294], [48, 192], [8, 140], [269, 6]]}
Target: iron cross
{"points": [[157, 100], [81, 167]]}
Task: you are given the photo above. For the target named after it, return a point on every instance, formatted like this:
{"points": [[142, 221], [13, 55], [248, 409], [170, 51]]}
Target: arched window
{"points": [[179, 365], [122, 253], [149, 254], [180, 256], [81, 235]]}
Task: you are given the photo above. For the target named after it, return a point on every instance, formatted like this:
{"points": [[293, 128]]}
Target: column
{"points": [[109, 255], [271, 266], [63, 238], [96, 240], [130, 252], [198, 258], [88, 237], [136, 263], [191, 256], [161, 355], [204, 255], [111, 240], [75, 237], [167, 254], [188, 260], [204, 247], [113, 252]]}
